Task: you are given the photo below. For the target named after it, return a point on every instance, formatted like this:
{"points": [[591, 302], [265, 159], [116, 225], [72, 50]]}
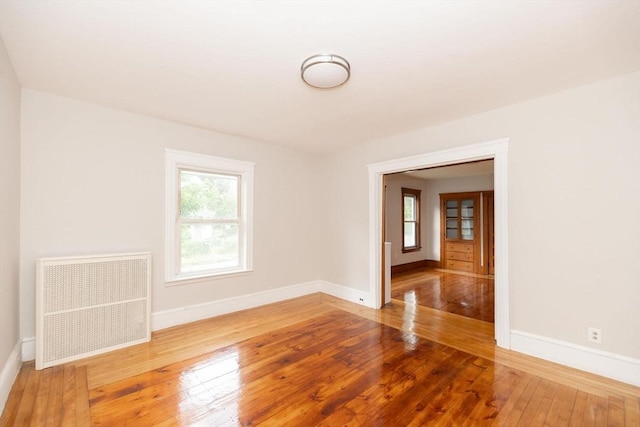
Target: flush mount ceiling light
{"points": [[325, 71]]}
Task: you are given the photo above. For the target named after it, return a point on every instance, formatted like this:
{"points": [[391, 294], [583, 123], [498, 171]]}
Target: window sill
{"points": [[408, 250], [188, 280]]}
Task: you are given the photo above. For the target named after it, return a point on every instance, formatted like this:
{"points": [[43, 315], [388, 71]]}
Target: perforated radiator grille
{"points": [[94, 283], [74, 333], [90, 305]]}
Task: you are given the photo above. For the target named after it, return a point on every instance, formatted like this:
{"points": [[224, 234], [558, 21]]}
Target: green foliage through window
{"points": [[209, 215]]}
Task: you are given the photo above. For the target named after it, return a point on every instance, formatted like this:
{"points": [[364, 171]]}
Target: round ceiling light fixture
{"points": [[325, 71]]}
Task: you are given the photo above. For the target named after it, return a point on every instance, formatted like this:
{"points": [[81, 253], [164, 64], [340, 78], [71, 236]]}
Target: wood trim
{"points": [[383, 276], [489, 216], [432, 263], [416, 194], [395, 269]]}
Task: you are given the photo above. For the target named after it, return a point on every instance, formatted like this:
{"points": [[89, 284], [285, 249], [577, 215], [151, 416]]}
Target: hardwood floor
{"points": [[317, 360], [468, 295]]}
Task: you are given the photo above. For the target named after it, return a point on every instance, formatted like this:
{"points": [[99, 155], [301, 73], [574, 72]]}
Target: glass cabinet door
{"points": [[466, 219], [452, 219], [459, 219]]}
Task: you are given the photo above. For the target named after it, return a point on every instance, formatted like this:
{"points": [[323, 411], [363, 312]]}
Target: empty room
{"points": [[337, 213]]}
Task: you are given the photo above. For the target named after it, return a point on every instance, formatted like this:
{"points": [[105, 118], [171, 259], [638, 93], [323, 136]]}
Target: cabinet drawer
{"points": [[459, 247], [460, 265], [460, 256]]}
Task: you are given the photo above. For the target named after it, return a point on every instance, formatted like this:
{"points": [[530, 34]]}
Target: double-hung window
{"points": [[208, 215], [410, 220]]}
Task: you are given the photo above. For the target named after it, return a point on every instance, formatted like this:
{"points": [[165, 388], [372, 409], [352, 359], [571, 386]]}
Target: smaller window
{"points": [[208, 216], [410, 220]]}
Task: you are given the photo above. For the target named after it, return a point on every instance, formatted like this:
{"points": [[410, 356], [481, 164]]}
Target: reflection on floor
{"points": [[463, 294]]}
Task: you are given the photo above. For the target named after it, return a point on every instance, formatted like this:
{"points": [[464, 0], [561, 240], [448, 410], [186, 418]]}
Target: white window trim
{"points": [[174, 160]]}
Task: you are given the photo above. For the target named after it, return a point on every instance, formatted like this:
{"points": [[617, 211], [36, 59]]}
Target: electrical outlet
{"points": [[594, 335]]}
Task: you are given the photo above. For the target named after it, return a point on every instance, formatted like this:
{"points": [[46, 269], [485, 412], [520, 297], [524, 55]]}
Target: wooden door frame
{"points": [[496, 150], [487, 227]]}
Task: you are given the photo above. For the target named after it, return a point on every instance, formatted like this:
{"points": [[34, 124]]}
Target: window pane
{"points": [[452, 233], [409, 208], [208, 196], [209, 246], [467, 229], [409, 234], [467, 208]]}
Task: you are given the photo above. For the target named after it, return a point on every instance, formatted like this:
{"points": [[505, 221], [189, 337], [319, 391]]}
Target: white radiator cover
{"points": [[90, 305]]}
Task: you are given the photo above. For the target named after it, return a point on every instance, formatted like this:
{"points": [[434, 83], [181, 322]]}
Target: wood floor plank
{"points": [[602, 411], [632, 411], [578, 413], [56, 391], [510, 405], [465, 295], [83, 412], [615, 412], [28, 400], [10, 412], [532, 414], [474, 396], [561, 407], [348, 364], [69, 396], [39, 416], [391, 385], [264, 369], [175, 344], [490, 405], [590, 411], [438, 396]]}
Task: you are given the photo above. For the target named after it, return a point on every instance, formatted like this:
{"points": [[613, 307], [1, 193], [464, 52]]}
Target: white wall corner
{"points": [[610, 365], [347, 294], [178, 316], [9, 373], [28, 349]]}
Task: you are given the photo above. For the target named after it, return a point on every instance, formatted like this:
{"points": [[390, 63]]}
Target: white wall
{"points": [[434, 188], [394, 222], [93, 182], [573, 192], [9, 223]]}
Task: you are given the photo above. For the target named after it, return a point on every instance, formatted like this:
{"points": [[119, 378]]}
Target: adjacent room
{"points": [[439, 223], [231, 213]]}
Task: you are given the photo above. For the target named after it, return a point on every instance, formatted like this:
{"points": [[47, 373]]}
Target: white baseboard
{"points": [[178, 316], [345, 293], [9, 373], [610, 365]]}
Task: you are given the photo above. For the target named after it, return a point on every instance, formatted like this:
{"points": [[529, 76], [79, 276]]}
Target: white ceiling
{"points": [[233, 66]]}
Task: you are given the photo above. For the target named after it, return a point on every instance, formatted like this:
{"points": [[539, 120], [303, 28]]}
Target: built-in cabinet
{"points": [[465, 230]]}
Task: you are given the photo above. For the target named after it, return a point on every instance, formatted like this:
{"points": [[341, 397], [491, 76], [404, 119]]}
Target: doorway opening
{"points": [[450, 268], [496, 150]]}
